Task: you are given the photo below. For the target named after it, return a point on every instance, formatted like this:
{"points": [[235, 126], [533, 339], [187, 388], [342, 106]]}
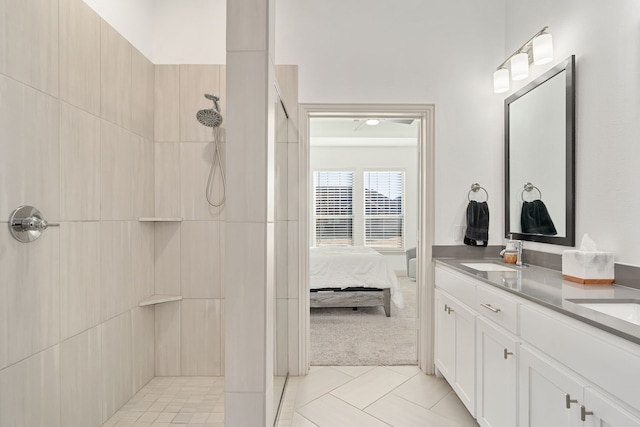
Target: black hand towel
{"points": [[535, 219], [477, 233]]}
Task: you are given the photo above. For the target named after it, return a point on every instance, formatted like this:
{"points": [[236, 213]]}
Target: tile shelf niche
{"points": [[159, 299], [158, 219]]}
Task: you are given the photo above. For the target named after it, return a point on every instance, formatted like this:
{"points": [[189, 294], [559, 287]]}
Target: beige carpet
{"points": [[344, 337]]}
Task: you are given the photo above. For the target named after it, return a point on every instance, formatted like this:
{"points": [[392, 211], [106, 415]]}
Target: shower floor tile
{"points": [[174, 401]]}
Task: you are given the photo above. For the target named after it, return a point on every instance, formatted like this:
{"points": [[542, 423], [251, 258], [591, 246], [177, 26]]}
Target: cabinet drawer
{"points": [[497, 307], [456, 285]]}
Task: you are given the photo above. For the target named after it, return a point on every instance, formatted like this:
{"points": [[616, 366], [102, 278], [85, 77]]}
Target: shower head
{"points": [[210, 117]]}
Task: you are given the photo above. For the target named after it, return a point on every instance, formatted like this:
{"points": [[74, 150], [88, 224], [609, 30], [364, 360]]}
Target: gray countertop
{"points": [[547, 288]]}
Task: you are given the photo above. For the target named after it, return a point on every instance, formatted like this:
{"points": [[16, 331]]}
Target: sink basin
{"points": [[627, 310], [487, 266]]}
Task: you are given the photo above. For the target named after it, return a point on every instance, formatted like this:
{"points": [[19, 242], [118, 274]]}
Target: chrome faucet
{"points": [[519, 244]]}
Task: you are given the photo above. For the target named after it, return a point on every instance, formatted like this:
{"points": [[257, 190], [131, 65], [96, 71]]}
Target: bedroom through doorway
{"points": [[363, 217]]}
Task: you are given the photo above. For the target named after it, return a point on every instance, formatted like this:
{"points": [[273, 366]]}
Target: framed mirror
{"points": [[540, 158]]}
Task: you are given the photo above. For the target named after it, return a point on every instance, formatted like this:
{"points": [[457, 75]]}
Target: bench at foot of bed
{"points": [[352, 297]]}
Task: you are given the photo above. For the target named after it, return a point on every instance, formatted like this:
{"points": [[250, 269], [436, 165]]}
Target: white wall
{"points": [[412, 51], [361, 158], [606, 41]]}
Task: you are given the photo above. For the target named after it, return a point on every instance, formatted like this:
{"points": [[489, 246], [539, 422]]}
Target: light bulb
{"points": [[372, 122], [520, 66], [542, 49], [501, 80]]}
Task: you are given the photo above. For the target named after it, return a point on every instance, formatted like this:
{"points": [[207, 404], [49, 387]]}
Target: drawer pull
{"points": [[488, 306], [507, 353], [569, 400], [584, 413], [449, 309]]}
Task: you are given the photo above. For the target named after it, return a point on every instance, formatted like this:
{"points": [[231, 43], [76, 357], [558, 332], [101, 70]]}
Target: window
{"points": [[384, 209], [333, 210]]}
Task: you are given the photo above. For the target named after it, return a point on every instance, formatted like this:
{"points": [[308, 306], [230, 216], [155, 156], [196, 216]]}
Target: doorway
{"points": [[423, 115]]}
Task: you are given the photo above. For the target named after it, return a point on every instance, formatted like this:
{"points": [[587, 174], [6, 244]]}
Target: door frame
{"points": [[425, 113]]}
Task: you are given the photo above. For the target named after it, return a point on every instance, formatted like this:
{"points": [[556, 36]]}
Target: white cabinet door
{"points": [[600, 411], [455, 347], [548, 394], [497, 376]]}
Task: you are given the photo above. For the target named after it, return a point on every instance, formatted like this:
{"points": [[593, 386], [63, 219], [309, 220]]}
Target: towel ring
{"points": [[529, 187], [475, 188]]}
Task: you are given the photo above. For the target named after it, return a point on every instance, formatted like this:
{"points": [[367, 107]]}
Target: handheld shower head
{"points": [[210, 117]]}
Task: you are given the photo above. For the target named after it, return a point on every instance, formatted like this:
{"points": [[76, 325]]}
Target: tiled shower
{"points": [[96, 136]]}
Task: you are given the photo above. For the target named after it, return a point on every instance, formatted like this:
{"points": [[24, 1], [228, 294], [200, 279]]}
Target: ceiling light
{"points": [[373, 122], [538, 48]]}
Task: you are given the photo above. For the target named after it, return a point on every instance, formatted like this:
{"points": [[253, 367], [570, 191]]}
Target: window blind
{"points": [[333, 210], [384, 209]]}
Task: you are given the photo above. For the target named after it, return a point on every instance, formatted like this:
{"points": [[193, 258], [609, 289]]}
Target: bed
{"points": [[352, 276]]}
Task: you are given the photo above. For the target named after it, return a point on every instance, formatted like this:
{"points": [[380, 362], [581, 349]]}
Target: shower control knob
{"points": [[26, 224]]}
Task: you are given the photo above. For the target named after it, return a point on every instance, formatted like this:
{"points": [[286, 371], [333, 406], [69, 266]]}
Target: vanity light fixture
{"points": [[537, 50], [373, 122]]}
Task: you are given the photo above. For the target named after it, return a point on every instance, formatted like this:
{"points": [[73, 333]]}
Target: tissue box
{"points": [[589, 267]]}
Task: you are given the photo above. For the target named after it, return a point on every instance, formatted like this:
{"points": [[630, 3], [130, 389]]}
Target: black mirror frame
{"points": [[567, 65]]}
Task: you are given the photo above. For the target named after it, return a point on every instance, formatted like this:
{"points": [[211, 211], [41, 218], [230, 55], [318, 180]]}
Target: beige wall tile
{"points": [[195, 166], [167, 338], [115, 73], [143, 345], [81, 380], [282, 180], [80, 55], [200, 337], [37, 377], [293, 184], [34, 60], [117, 364], [79, 277], [167, 258], [282, 259], [142, 177], [200, 259], [29, 123], [142, 93], [167, 180], [30, 283], [79, 164], [195, 81], [167, 103], [142, 258], [116, 277], [117, 148]]}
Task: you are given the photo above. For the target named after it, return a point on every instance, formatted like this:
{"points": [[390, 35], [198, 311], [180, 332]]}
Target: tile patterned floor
{"points": [[174, 401], [344, 396]]}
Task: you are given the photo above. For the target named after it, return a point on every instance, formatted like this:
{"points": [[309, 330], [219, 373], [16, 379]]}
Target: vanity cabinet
{"points": [[497, 353]]}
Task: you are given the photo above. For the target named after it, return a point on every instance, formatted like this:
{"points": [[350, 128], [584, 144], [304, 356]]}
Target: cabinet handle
{"points": [[446, 308], [449, 310], [584, 413], [507, 353], [488, 306], [569, 400]]}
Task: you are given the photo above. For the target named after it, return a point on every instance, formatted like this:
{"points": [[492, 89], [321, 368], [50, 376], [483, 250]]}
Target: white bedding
{"points": [[352, 266]]}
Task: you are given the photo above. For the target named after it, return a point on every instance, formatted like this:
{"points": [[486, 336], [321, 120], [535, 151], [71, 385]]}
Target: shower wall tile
{"points": [[167, 258], [117, 363], [30, 45], [38, 378], [29, 123], [167, 103], [79, 164], [281, 337], [293, 264], [81, 380], [223, 92], [251, 34], [143, 345], [293, 182], [167, 180], [116, 266], [282, 181], [142, 248], [293, 335], [80, 55], [142, 177], [200, 259], [248, 176], [142, 93], [195, 81], [167, 339], [116, 172], [201, 337], [115, 73], [79, 277], [30, 305], [282, 259], [195, 165], [287, 78]]}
